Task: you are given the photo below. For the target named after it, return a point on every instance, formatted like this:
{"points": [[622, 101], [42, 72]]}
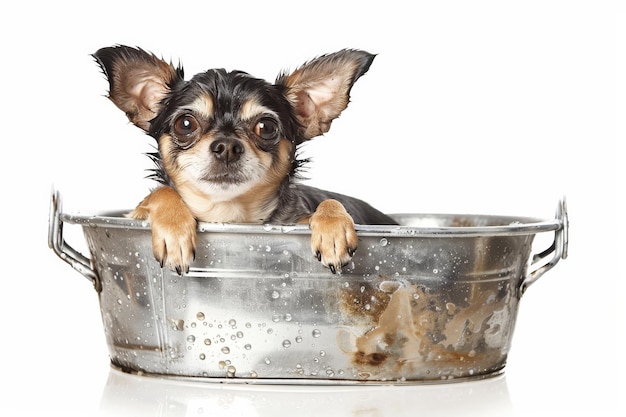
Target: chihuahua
{"points": [[227, 149]]}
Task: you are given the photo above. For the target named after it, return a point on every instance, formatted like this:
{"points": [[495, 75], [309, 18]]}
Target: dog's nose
{"points": [[227, 150]]}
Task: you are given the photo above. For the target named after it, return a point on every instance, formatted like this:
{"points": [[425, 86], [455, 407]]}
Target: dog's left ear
{"points": [[320, 89]]}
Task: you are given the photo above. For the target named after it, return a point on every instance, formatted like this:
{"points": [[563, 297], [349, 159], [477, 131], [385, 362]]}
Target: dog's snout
{"points": [[227, 150]]}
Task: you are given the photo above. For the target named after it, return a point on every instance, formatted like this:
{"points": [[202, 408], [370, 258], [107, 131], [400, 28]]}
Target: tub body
{"points": [[434, 299]]}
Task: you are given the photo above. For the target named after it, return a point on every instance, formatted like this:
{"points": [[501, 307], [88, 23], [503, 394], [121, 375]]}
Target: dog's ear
{"points": [[138, 81], [320, 89]]}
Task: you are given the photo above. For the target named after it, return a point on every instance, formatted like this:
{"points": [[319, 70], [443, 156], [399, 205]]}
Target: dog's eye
{"points": [[266, 128], [185, 126]]}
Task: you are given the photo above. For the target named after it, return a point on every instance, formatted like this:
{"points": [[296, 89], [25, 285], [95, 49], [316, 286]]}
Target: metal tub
{"points": [[432, 300]]}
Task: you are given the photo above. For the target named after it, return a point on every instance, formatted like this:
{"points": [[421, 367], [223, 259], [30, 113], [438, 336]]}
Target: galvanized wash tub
{"points": [[432, 300]]}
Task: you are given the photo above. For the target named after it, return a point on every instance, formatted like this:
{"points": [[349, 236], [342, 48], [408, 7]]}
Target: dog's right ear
{"points": [[138, 81]]}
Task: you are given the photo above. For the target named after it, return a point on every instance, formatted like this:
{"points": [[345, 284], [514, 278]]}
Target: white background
{"points": [[470, 107]]}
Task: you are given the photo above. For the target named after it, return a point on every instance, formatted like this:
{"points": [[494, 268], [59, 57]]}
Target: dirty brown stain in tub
{"points": [[415, 327]]}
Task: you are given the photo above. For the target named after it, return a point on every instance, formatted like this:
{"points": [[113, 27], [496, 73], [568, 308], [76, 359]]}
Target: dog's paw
{"points": [[333, 237], [174, 229], [174, 241]]}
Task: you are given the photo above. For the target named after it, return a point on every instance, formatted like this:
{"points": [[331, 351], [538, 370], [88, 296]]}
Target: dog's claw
{"points": [[318, 255], [332, 268]]}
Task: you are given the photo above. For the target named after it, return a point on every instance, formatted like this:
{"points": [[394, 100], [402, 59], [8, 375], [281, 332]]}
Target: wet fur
{"points": [[227, 148]]}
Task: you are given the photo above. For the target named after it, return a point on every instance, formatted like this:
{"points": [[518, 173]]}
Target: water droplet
{"points": [[268, 248], [383, 242], [275, 294], [322, 353], [267, 361], [173, 354], [316, 333], [247, 346], [435, 271], [275, 318], [231, 371], [232, 323], [298, 339], [288, 317], [207, 342], [191, 338], [240, 334], [202, 356], [200, 315], [225, 350], [286, 343]]}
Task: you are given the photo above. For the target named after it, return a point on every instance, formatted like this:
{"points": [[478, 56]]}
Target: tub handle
{"points": [[556, 251], [64, 251]]}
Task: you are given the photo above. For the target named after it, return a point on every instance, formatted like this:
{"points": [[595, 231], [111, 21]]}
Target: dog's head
{"points": [[227, 134]]}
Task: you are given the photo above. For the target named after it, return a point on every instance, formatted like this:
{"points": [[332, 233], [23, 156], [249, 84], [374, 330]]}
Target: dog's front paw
{"points": [[174, 241], [333, 237], [173, 226]]}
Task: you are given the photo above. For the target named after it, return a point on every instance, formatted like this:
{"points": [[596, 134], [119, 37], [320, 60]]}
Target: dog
{"points": [[227, 147]]}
